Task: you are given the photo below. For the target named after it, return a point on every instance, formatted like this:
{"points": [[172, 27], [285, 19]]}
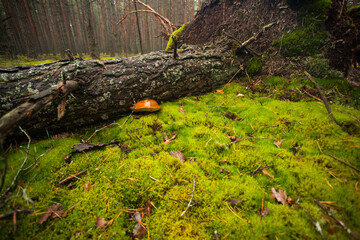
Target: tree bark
{"points": [[104, 90]]}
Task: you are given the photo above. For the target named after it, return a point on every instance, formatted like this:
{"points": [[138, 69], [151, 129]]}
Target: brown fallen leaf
{"points": [[264, 212], [178, 155], [83, 146], [52, 212], [182, 110], [147, 209], [169, 140], [100, 222], [234, 201], [278, 143], [232, 116], [266, 173], [139, 230], [219, 91], [87, 187], [279, 196]]}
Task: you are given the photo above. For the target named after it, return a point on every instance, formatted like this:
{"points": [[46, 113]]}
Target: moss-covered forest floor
{"points": [[239, 145]]}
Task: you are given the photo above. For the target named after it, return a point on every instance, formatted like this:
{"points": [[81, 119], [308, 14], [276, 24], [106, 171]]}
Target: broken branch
{"points": [[338, 221], [322, 96]]}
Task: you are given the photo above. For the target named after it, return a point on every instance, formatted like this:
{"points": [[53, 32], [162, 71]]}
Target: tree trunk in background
{"points": [[107, 89], [90, 31], [138, 27], [49, 37]]}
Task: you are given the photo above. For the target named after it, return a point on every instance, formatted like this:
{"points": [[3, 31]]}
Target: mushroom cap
{"points": [[148, 105]]}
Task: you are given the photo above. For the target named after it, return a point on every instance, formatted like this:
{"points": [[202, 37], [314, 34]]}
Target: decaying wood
{"points": [[101, 91]]}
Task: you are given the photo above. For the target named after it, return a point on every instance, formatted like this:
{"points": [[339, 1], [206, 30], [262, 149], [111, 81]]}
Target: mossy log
{"points": [[35, 97]]}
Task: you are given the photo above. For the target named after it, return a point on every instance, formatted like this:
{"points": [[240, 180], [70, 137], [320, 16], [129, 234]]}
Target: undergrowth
{"points": [[123, 181]]}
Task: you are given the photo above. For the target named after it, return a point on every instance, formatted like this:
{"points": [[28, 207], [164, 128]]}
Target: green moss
{"points": [[254, 66], [123, 181], [302, 41], [318, 66], [354, 12], [174, 34], [310, 37]]}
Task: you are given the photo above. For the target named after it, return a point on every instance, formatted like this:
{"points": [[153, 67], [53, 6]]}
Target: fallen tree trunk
{"points": [[89, 92]]}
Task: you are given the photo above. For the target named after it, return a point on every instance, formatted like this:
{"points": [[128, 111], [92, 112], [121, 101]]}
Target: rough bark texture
{"points": [[106, 89]]}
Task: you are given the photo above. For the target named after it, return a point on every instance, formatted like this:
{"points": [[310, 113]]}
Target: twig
{"points": [[322, 96], [347, 164], [98, 130], [255, 171], [210, 111], [22, 165], [241, 139], [315, 223], [241, 68], [72, 176], [4, 160], [189, 205], [341, 223]]}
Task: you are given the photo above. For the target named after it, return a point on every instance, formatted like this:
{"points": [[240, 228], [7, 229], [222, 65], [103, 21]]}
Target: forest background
{"points": [[32, 28]]}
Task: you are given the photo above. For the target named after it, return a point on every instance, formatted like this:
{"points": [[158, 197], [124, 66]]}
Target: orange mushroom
{"points": [[147, 105]]}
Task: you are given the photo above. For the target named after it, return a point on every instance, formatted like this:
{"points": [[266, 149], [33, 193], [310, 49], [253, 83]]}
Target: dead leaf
{"points": [[139, 230], [266, 173], [278, 143], [219, 92], [167, 140], [178, 155], [234, 201], [52, 212], [60, 136], [125, 148], [100, 222], [232, 116], [265, 212], [147, 209], [279, 196], [87, 187], [182, 110], [83, 146]]}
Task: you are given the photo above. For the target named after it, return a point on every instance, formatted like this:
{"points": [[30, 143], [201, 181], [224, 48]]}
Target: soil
{"points": [[241, 19], [244, 18], [344, 49]]}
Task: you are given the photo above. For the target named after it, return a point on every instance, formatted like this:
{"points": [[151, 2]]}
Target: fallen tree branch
{"points": [[338, 221], [347, 164], [37, 101], [322, 96]]}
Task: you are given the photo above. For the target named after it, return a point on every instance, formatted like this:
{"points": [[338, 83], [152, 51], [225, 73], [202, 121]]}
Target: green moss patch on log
{"points": [[176, 35]]}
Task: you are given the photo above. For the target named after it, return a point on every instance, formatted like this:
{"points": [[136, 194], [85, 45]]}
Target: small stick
{"points": [[341, 223], [241, 68], [71, 177], [322, 96], [347, 164], [189, 205], [98, 130], [22, 165], [315, 223]]}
